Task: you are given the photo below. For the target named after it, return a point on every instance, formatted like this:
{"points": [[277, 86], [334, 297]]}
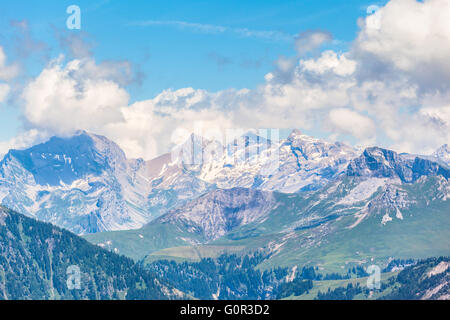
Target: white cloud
{"points": [[380, 92], [217, 29], [310, 40], [7, 72], [347, 121], [330, 61], [23, 140], [81, 94], [4, 91], [63, 99], [411, 39], [404, 72]]}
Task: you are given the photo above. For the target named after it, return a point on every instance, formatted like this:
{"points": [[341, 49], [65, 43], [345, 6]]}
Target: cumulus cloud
{"points": [[77, 95], [390, 89], [410, 39], [7, 72], [403, 72], [82, 94], [4, 91], [330, 61], [23, 140], [349, 122], [310, 40]]}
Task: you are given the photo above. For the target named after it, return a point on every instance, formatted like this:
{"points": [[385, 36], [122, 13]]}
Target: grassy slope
{"points": [[136, 244], [155, 236], [333, 284], [192, 253], [428, 279], [423, 232]]}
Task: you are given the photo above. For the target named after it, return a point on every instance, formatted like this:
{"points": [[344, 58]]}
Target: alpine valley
{"points": [[291, 218]]}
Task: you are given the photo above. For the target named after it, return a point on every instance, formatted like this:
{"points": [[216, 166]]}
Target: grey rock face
{"points": [[382, 163], [83, 183], [220, 211], [86, 184]]}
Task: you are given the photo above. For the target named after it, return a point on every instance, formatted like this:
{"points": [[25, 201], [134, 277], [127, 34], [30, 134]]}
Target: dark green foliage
{"points": [[234, 277], [399, 264], [311, 274], [334, 276], [296, 288], [414, 282], [34, 258], [359, 271], [227, 277], [341, 293], [237, 277]]}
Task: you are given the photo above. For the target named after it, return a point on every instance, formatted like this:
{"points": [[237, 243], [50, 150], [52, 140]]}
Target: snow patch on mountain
{"points": [[86, 184], [364, 190], [443, 154], [295, 164], [386, 218], [83, 183], [440, 268], [360, 216]]}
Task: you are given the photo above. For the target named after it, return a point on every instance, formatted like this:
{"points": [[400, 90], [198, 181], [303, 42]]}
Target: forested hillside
{"points": [[233, 276], [426, 279], [227, 277], [238, 277], [429, 279], [37, 260]]}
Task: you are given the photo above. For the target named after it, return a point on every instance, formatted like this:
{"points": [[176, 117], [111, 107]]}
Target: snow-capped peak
{"points": [[295, 133], [443, 154], [83, 183], [379, 162], [86, 184]]}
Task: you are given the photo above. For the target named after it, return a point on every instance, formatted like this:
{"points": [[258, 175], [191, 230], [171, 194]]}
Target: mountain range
{"points": [[384, 205], [300, 201], [86, 184]]}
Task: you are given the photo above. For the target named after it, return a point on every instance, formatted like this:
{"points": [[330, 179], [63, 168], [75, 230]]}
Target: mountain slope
{"points": [[427, 279], [383, 206], [83, 183], [298, 163], [384, 209], [200, 221], [381, 163], [86, 184], [36, 260], [377, 229]]}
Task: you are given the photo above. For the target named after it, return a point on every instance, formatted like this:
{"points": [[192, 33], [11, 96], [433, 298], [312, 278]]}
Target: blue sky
{"points": [[168, 54], [140, 71]]}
